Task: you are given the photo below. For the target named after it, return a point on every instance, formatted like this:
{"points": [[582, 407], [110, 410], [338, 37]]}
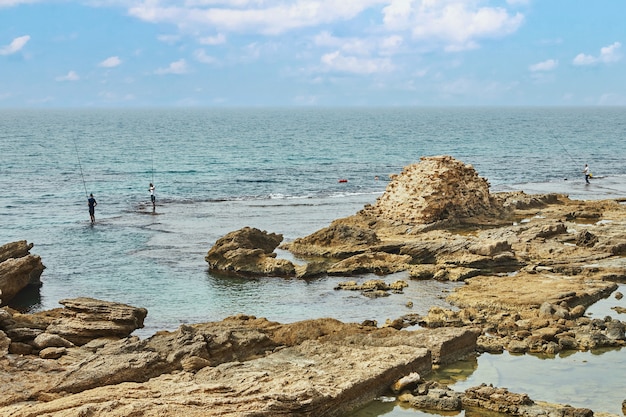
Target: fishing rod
{"points": [[81, 168], [152, 154], [565, 149]]}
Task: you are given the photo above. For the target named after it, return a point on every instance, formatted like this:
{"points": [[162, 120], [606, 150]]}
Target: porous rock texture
{"points": [[437, 188], [241, 366]]}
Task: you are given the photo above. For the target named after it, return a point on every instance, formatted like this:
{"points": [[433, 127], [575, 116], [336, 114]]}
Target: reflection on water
{"points": [[593, 379]]}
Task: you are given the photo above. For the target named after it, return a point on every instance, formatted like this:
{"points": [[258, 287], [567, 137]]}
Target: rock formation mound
{"points": [[437, 188]]}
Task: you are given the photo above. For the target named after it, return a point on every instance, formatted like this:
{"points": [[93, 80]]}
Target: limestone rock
{"points": [[18, 273], [438, 188], [340, 240], [239, 366], [85, 319], [502, 400], [433, 396], [249, 251], [17, 249], [379, 263]]}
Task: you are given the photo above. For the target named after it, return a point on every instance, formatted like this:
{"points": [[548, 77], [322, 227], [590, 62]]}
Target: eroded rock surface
{"points": [[18, 269], [249, 251], [237, 367]]}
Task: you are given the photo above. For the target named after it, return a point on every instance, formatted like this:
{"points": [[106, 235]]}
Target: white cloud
{"points": [[266, 17], [612, 99], [177, 67], [169, 39], [70, 76], [547, 65], [458, 24], [384, 46], [610, 53], [335, 61], [583, 59], [110, 62], [15, 46], [111, 96], [201, 56], [213, 40], [607, 55], [11, 3]]}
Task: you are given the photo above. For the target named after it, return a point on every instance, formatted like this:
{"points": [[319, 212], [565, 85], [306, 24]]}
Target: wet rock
{"points": [[615, 330], [433, 396], [503, 401]]}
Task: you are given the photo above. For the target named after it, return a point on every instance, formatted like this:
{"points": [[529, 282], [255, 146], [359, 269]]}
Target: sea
{"points": [[290, 171]]}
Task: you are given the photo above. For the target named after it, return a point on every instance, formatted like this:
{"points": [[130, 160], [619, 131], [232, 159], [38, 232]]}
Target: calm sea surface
{"points": [[217, 170]]}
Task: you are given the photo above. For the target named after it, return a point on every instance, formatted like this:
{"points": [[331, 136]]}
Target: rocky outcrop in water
{"points": [[532, 265], [249, 251], [18, 269]]}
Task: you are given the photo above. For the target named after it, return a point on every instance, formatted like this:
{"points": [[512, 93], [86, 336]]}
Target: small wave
{"points": [[256, 181]]}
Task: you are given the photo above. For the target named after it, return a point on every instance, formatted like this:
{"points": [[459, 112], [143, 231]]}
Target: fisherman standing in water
{"points": [[152, 196], [91, 202], [587, 173]]}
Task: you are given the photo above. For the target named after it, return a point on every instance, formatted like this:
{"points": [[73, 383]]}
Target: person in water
{"points": [[587, 173], [92, 203], [152, 196]]}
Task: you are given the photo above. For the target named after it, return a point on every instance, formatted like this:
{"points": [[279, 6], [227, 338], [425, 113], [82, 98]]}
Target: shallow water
{"points": [[593, 379], [216, 171]]}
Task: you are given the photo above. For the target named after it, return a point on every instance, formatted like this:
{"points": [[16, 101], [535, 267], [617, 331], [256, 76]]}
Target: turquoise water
{"points": [[219, 170]]}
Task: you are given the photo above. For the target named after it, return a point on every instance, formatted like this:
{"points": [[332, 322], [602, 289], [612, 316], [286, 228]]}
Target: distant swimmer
{"points": [[587, 173], [92, 203], [152, 196]]}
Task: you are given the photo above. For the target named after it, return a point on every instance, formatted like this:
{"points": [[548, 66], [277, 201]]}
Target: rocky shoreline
{"points": [[532, 265]]}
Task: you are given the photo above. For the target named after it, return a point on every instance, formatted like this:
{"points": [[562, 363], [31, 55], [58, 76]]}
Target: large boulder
{"points": [[18, 269], [249, 251], [85, 319], [435, 189]]}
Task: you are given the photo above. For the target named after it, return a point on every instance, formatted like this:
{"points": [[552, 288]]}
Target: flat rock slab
{"points": [[312, 379], [526, 290]]}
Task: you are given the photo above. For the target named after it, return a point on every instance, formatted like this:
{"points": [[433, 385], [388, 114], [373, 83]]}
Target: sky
{"points": [[251, 53]]}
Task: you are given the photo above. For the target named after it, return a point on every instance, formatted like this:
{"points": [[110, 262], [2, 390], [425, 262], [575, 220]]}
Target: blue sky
{"points": [[126, 53]]}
